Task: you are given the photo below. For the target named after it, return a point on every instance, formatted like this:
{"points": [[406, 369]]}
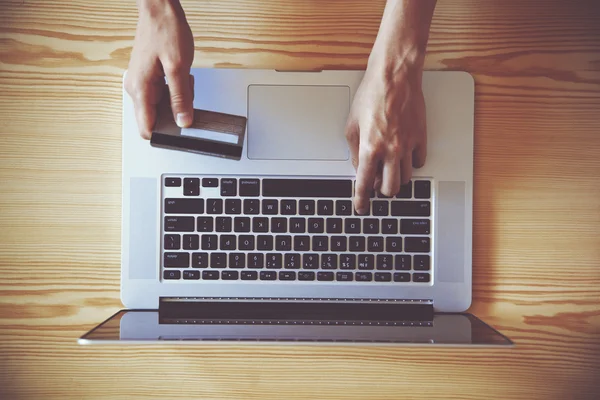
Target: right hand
{"points": [[163, 46]]}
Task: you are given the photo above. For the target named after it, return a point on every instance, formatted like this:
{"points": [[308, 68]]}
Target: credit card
{"points": [[211, 133]]}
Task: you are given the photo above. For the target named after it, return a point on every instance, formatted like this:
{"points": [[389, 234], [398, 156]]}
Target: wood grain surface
{"points": [[537, 216]]}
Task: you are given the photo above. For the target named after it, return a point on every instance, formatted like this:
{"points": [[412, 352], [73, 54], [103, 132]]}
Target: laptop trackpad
{"points": [[297, 122]]}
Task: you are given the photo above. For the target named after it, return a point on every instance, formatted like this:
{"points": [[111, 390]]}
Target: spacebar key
{"points": [[307, 188]]}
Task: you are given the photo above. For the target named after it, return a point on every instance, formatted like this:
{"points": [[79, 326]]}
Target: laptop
{"points": [[264, 246]]}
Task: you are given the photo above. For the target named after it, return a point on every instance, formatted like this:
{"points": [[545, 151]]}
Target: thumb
{"points": [[182, 98]]}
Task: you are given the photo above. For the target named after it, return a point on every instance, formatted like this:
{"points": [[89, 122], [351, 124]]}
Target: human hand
{"points": [[163, 46], [386, 128]]}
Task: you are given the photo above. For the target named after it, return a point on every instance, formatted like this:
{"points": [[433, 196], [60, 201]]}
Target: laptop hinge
{"points": [[275, 310]]}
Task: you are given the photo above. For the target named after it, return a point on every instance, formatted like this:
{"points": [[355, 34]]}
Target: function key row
{"points": [[323, 276], [380, 208], [401, 262], [268, 187]]}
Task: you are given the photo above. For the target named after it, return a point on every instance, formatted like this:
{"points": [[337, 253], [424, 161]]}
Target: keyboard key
{"points": [[199, 260], [191, 242], [366, 261], [421, 262], [380, 208], [357, 243], [421, 277], [307, 188], [172, 182], [343, 207], [334, 225], [414, 227], [401, 277], [270, 207], [228, 242], [292, 261], [307, 207], [329, 261], [268, 275], [274, 261], [422, 189], [251, 206], [260, 224], [179, 224], [283, 243], [256, 260], [339, 243], [191, 187], [172, 242], [246, 242], [320, 243], [405, 191], [214, 206], [287, 275], [403, 208], [352, 225], [417, 245], [172, 274], [325, 207], [184, 206], [310, 261], [210, 275], [306, 276], [288, 207], [375, 244], [402, 262], [191, 275], [241, 224], [218, 260], [209, 242], [301, 243], [297, 225], [230, 275], [347, 261], [264, 242], [205, 224], [210, 182], [385, 262], [249, 275], [233, 206], [237, 260], [344, 276], [278, 225], [383, 277], [228, 187], [389, 226], [316, 225], [393, 244], [249, 187], [224, 224], [370, 226], [176, 260], [324, 276], [364, 276]]}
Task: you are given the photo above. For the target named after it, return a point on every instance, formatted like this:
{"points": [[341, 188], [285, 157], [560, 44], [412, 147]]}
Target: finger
{"points": [[390, 183], [181, 95], [353, 139], [365, 177], [406, 167], [145, 98]]}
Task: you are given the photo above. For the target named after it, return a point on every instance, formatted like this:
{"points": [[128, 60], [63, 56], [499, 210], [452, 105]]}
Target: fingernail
{"points": [[184, 119]]}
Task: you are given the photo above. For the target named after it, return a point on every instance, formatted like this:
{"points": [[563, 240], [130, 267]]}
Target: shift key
{"points": [[179, 224]]}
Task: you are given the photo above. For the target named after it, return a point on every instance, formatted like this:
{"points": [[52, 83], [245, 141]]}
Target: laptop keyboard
{"points": [[293, 230]]}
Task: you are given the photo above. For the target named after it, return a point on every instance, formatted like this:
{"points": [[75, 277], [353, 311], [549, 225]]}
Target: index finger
{"points": [[365, 178]]}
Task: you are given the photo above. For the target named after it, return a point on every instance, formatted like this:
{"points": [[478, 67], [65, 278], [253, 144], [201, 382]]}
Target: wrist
{"points": [[158, 7]]}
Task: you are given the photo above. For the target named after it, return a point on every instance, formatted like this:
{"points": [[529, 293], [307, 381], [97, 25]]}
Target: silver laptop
{"points": [[267, 248]]}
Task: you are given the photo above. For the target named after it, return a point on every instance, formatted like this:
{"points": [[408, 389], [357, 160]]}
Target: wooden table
{"points": [[537, 215]]}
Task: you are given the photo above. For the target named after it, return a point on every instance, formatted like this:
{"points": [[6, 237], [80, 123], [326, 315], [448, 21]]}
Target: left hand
{"points": [[386, 129]]}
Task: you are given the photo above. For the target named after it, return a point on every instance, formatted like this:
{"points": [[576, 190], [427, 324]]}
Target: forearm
{"points": [[403, 33]]}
